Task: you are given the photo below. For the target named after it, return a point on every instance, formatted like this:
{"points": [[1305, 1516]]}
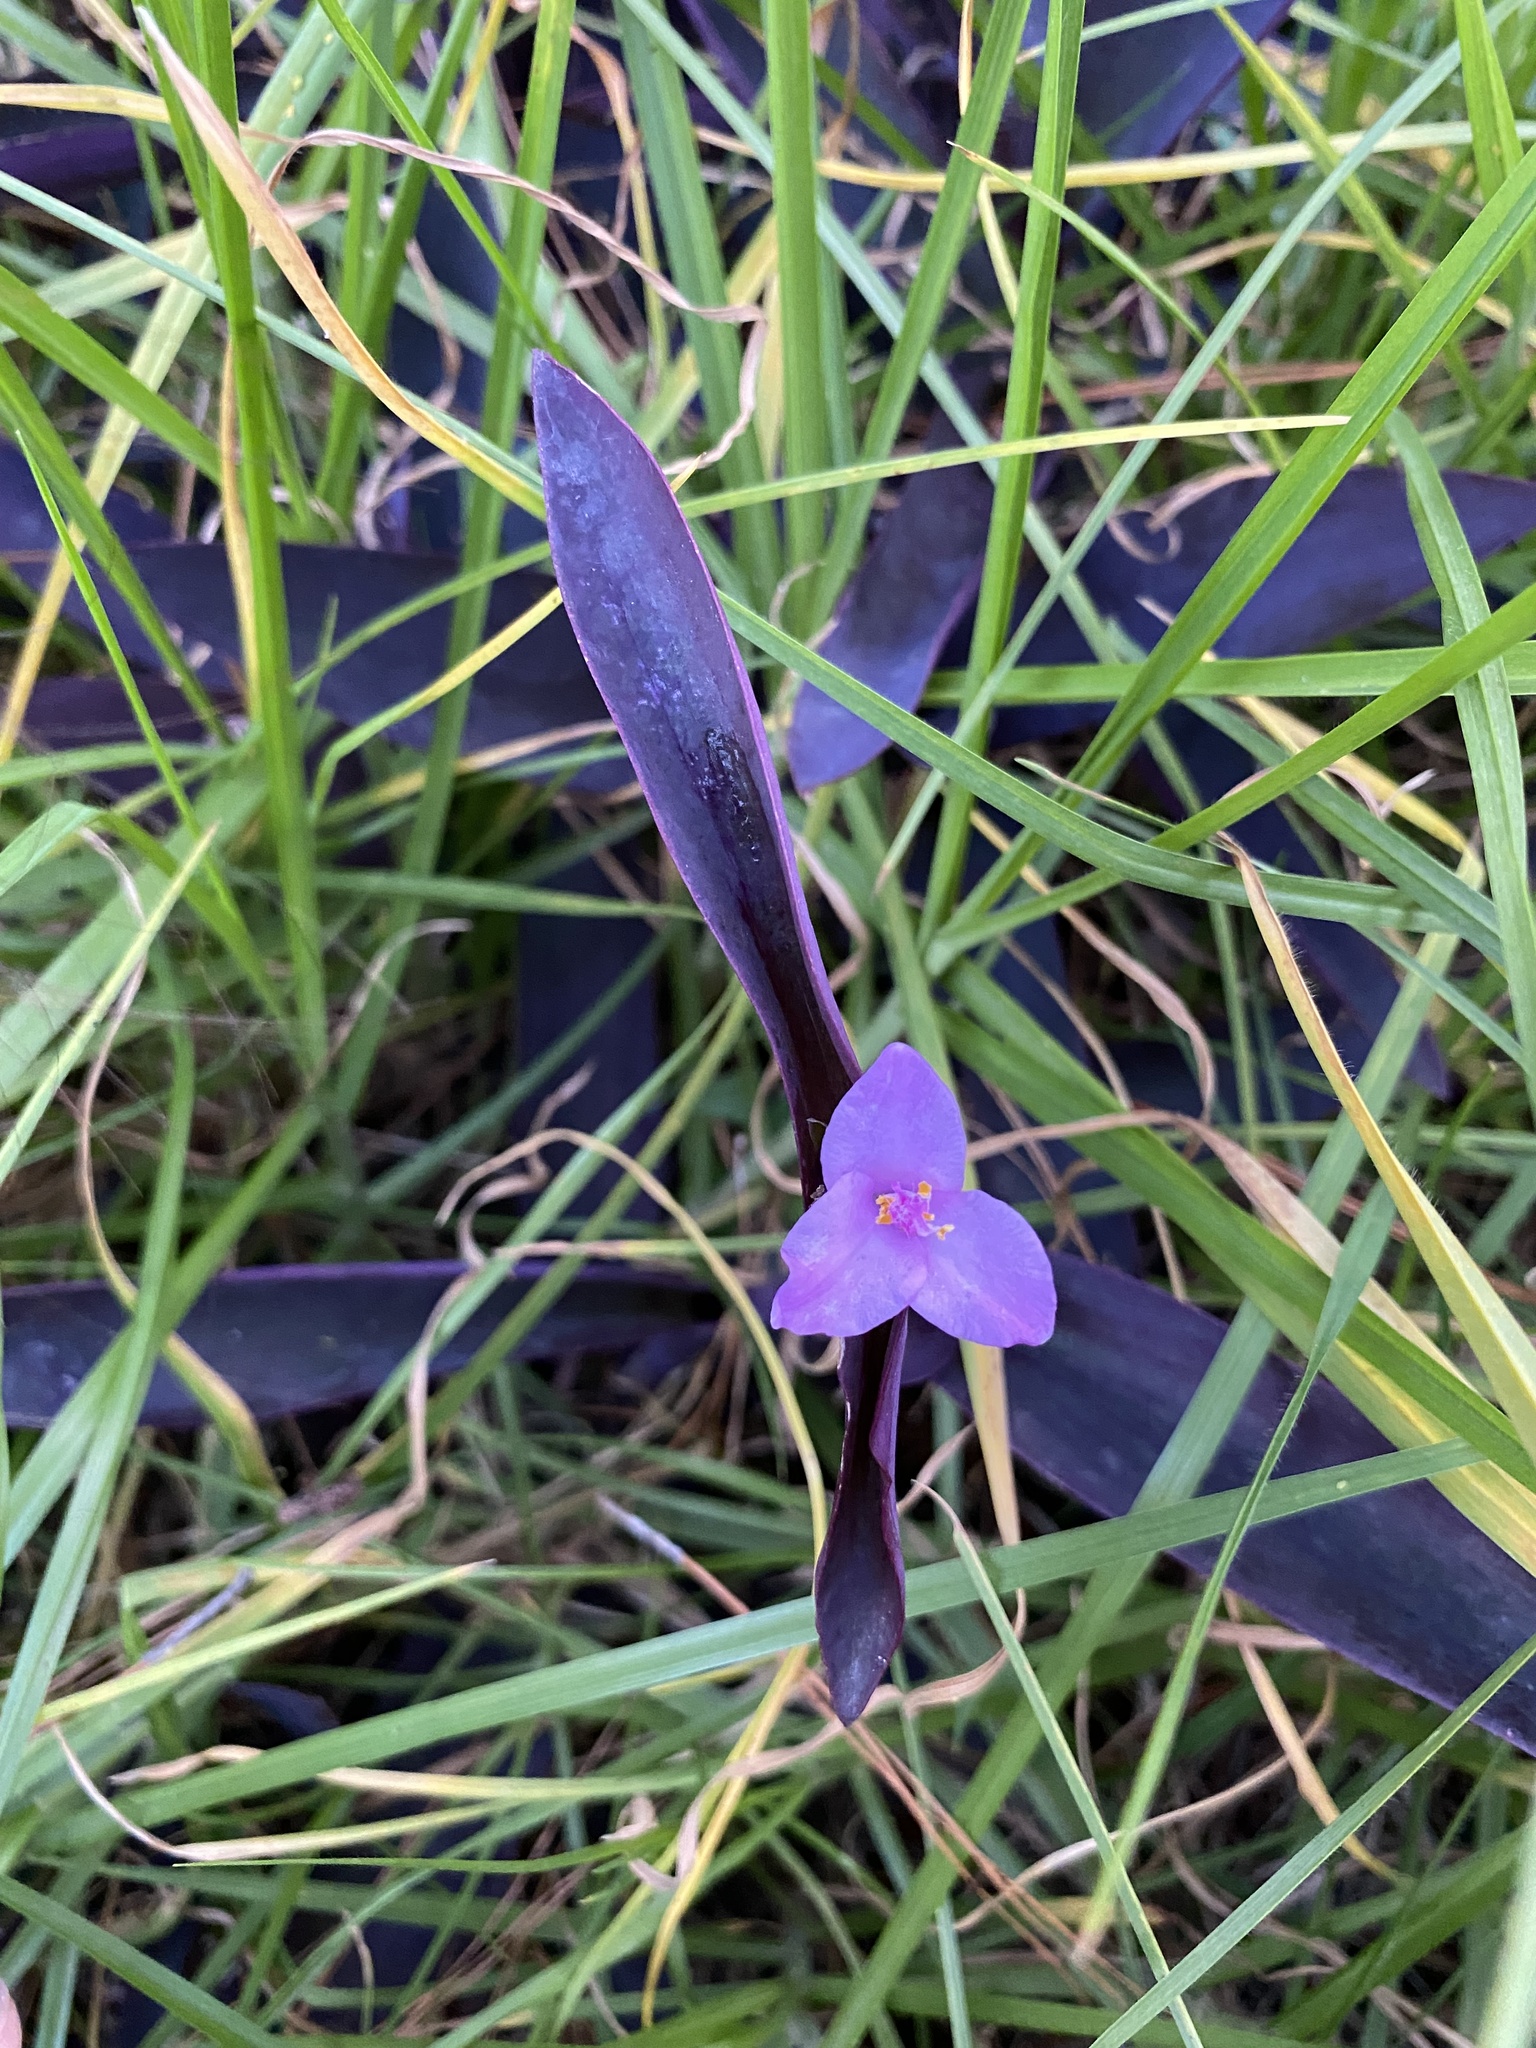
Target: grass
{"points": [[408, 1721]]}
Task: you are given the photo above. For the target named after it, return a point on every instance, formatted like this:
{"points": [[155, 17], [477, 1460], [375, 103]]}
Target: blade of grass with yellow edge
{"points": [[282, 243], [1031, 309], [1501, 1347]]}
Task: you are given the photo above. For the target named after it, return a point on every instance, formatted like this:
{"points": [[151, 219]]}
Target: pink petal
{"points": [[847, 1273], [899, 1124], [989, 1280]]}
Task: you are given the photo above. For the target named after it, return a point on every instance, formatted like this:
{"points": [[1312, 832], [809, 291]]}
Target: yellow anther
{"points": [[924, 1189], [883, 1208], [944, 1229]]}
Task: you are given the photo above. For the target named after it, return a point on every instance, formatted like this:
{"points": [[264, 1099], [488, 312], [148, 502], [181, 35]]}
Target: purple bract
{"points": [[898, 1229]]}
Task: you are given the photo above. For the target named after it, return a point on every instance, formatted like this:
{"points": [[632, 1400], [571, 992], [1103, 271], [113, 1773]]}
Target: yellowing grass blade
{"points": [[988, 1387], [1501, 1347], [125, 101], [277, 236]]}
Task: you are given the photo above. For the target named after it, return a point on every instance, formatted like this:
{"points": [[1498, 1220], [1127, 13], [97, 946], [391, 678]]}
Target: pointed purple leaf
{"points": [[1356, 560], [861, 1584], [901, 605], [655, 639]]}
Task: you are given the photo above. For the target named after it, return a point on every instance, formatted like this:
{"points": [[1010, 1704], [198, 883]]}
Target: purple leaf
{"points": [[1139, 90], [539, 685], [1397, 1581], [860, 1578], [293, 1339], [1356, 560], [900, 606], [67, 154], [647, 619]]}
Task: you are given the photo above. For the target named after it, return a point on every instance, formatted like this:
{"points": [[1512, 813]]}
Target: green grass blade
{"points": [[696, 266], [793, 125], [1490, 730], [1369, 398], [1510, 2018], [43, 836]]}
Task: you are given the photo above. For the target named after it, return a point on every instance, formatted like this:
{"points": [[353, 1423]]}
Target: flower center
{"points": [[907, 1209]]}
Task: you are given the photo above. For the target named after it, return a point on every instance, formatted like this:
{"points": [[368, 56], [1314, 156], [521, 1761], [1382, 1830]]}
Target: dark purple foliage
{"points": [[650, 625], [647, 620], [1138, 91], [1398, 1581], [861, 1583], [899, 608], [293, 1339], [1356, 560], [66, 154], [539, 685]]}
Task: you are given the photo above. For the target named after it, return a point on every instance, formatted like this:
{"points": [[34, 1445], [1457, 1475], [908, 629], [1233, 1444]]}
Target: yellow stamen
{"points": [[924, 1189], [943, 1230], [883, 1208]]}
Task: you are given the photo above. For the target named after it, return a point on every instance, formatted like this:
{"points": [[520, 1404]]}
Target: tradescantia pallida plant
{"points": [[889, 1225]]}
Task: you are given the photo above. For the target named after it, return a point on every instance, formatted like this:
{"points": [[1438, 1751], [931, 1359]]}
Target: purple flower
{"points": [[897, 1227]]}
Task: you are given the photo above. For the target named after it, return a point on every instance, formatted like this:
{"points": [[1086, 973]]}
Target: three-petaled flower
{"points": [[897, 1228]]}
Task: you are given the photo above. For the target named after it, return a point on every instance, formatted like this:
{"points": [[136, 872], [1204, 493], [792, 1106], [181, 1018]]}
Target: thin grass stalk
{"points": [[505, 377], [1021, 417], [695, 263], [929, 294], [269, 669], [793, 125]]}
